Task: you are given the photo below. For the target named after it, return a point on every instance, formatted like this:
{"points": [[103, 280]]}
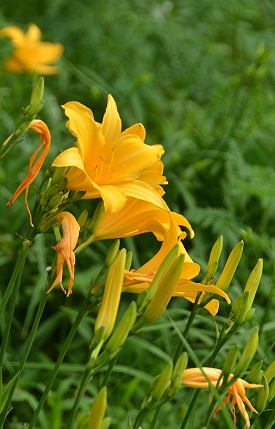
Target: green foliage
{"points": [[200, 77]]}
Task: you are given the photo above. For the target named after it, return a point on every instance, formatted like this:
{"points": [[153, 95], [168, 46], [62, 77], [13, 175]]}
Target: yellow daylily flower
{"points": [[65, 249], [138, 217], [108, 163], [194, 377], [34, 166], [30, 54], [139, 280]]}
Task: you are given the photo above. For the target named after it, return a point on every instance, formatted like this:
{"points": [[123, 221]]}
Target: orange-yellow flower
{"points": [[34, 165], [65, 249], [139, 280], [194, 377], [30, 54], [136, 217], [108, 163]]}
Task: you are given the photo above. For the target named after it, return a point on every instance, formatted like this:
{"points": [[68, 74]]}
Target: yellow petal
{"points": [[111, 124]]}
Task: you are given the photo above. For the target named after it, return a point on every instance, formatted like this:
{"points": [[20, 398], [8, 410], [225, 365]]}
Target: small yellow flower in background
{"points": [[30, 55], [193, 377], [34, 166], [108, 163], [65, 249], [139, 280]]}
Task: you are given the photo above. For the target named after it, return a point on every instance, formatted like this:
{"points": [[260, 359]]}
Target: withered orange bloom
{"points": [[65, 250], [30, 54], [34, 165], [194, 377]]}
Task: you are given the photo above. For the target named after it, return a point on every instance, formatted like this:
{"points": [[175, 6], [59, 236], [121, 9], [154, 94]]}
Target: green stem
{"points": [[24, 357], [17, 272], [190, 409], [64, 349], [13, 290], [86, 377]]}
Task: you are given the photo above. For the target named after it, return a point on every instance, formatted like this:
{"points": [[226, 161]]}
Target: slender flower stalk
{"points": [[30, 55], [34, 165]]}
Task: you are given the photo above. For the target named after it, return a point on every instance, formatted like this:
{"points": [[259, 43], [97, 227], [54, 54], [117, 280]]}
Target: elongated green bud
{"points": [[256, 373], [177, 373], [263, 394], [106, 423], [248, 353], [62, 185], [121, 333], [58, 175], [38, 91], [54, 202], [162, 382], [213, 261], [52, 190], [31, 110], [230, 266], [270, 372], [129, 258], [98, 409], [271, 391], [82, 218], [111, 296], [242, 309], [166, 263], [76, 195], [112, 253], [230, 361], [99, 211], [253, 282], [88, 224], [164, 292]]}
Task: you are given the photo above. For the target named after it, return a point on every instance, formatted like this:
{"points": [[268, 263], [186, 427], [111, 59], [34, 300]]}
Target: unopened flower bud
{"points": [[54, 201], [163, 382], [38, 91], [253, 282], [58, 175], [270, 372], [111, 296], [112, 253], [214, 258], [230, 266], [31, 110], [121, 333], [129, 258], [177, 373], [164, 292], [242, 309], [98, 409], [248, 353], [62, 184], [271, 391], [230, 361], [256, 373], [76, 195], [263, 394], [52, 190], [82, 218], [88, 224]]}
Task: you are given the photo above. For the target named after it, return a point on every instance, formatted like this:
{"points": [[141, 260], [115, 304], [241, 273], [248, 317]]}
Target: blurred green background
{"points": [[200, 76]]}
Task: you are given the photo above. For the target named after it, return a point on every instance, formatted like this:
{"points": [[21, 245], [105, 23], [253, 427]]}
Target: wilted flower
{"points": [[194, 377], [65, 249], [34, 166], [30, 54], [108, 163]]}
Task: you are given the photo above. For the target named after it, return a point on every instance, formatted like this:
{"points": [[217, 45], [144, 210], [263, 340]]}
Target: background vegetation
{"points": [[200, 76]]}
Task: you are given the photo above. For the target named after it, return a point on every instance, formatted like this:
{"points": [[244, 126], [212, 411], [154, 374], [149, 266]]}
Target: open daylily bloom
{"points": [[34, 166], [138, 217], [65, 249], [30, 54], [109, 164], [193, 377], [139, 280]]}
